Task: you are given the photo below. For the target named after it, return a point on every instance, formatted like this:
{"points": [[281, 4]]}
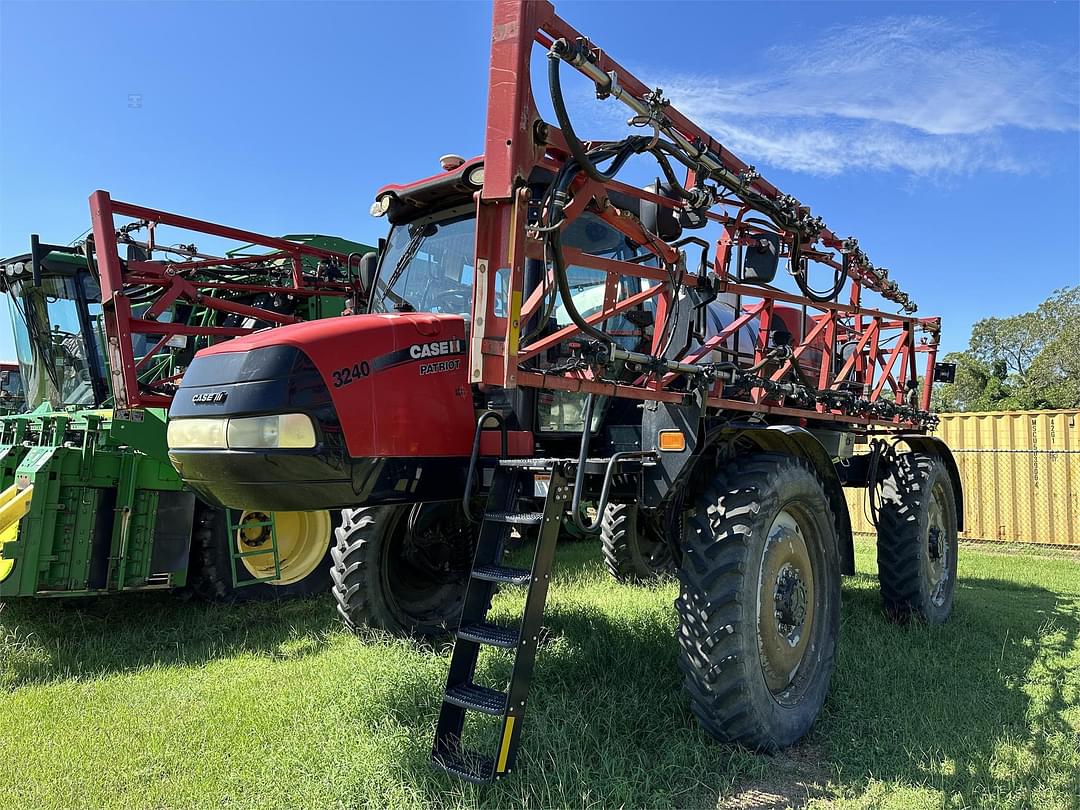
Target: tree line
{"points": [[1029, 361]]}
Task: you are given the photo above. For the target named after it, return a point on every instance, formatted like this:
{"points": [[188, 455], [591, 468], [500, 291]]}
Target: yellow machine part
{"points": [[14, 504], [302, 541]]}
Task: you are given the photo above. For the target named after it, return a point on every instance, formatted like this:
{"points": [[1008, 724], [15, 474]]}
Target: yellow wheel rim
{"points": [[302, 541]]}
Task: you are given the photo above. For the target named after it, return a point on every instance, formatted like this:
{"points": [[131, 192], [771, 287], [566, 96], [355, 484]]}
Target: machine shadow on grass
{"points": [[44, 640]]}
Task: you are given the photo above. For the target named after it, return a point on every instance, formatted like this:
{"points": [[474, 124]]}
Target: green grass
{"points": [[156, 702]]}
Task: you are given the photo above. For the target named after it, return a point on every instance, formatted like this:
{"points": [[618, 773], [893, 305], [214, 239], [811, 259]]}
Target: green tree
{"points": [[1024, 362], [1054, 374]]}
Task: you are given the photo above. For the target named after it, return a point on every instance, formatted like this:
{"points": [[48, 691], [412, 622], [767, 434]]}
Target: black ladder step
{"points": [[500, 573], [515, 518], [467, 765], [478, 698], [491, 634]]}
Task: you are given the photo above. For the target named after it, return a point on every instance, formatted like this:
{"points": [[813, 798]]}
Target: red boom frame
{"points": [[171, 286], [517, 141]]}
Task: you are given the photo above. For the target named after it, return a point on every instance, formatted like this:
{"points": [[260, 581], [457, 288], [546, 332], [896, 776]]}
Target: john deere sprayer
{"points": [[90, 503]]}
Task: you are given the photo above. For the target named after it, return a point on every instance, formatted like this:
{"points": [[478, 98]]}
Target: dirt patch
{"points": [[796, 777]]}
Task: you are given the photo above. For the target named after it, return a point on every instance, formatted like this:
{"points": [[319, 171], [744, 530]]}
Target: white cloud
{"points": [[919, 94]]}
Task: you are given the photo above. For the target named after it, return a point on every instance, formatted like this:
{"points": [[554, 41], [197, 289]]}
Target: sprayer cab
{"points": [[381, 408]]}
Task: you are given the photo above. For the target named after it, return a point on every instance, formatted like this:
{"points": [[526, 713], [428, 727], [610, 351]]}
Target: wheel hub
{"points": [[937, 547], [790, 599], [425, 563], [785, 603], [437, 543], [934, 543]]}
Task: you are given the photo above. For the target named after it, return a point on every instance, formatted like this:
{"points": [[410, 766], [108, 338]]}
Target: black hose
{"points": [[555, 246], [669, 174], [576, 147], [804, 284]]}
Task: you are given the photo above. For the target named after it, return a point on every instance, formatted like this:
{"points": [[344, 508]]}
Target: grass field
{"points": [[156, 702]]}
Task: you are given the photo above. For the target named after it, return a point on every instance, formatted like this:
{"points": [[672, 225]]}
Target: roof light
{"points": [[476, 177], [451, 162], [381, 205]]}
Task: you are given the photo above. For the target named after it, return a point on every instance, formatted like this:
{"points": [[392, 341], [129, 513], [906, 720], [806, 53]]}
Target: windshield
{"points": [[48, 341], [428, 267], [11, 399]]}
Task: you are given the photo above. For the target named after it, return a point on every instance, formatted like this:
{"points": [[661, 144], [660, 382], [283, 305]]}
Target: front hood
{"points": [[387, 394]]}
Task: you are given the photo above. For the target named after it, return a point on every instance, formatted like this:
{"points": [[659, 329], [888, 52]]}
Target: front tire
{"points": [[386, 576], [759, 608], [917, 540], [211, 573]]}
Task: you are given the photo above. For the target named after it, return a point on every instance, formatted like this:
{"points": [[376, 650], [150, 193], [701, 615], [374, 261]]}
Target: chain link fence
{"points": [[1021, 496]]}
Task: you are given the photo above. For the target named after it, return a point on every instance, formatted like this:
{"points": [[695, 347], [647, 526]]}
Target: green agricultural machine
{"points": [[11, 393], [89, 503]]}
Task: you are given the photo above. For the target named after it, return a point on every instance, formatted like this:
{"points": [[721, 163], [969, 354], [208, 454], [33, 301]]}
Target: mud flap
{"points": [[659, 480]]}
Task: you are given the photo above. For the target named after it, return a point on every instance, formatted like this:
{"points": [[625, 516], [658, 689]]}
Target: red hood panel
{"points": [[398, 381]]}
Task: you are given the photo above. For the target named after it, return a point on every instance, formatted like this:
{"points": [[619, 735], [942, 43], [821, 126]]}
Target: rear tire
{"points": [[635, 552], [917, 541], [759, 608], [379, 584]]}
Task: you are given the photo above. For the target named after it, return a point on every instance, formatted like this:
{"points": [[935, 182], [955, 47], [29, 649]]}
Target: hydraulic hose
{"points": [[804, 284], [559, 48], [563, 283], [669, 174]]}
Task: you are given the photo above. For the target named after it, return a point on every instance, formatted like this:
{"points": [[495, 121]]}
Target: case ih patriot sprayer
{"points": [[90, 503], [546, 335]]}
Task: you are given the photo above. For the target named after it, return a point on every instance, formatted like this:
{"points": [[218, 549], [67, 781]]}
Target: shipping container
{"points": [[1021, 476]]}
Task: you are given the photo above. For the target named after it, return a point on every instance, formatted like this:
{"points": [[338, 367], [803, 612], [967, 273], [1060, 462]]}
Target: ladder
{"points": [[268, 527], [462, 694]]}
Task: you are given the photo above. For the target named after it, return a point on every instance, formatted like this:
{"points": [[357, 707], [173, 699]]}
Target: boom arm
{"points": [[869, 372], [217, 291]]}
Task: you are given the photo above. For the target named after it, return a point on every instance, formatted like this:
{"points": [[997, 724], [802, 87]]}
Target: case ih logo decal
{"points": [[423, 351], [420, 350], [209, 398]]}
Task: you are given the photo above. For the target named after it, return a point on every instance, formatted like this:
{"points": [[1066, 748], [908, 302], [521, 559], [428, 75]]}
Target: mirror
{"points": [[660, 219], [137, 253], [761, 258], [369, 264], [944, 372]]}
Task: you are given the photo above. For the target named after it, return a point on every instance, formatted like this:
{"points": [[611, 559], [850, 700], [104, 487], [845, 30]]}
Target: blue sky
{"points": [[944, 135]]}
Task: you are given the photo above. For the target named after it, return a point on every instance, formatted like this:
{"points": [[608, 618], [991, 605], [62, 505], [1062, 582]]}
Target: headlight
{"points": [[187, 433], [287, 430], [280, 430], [476, 177]]}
